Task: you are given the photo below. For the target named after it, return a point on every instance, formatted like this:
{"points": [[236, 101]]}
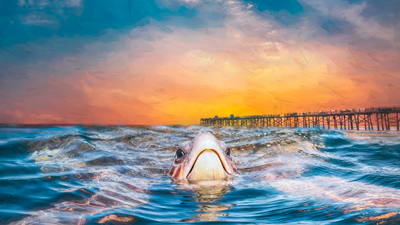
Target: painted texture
{"points": [[175, 61]]}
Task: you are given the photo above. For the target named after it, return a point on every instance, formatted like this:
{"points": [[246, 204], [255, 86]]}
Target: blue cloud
{"points": [[285, 11], [95, 20], [292, 6]]}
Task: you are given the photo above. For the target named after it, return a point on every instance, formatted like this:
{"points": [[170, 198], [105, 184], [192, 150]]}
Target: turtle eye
{"points": [[228, 152], [179, 154]]}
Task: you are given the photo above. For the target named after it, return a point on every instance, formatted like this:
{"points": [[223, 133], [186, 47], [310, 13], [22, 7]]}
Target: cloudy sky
{"points": [[176, 61]]}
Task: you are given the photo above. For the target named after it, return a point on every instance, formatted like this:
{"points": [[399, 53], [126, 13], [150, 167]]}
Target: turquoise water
{"points": [[117, 175]]}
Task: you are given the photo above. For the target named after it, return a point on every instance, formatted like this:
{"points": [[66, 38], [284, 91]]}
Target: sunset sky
{"points": [[176, 61]]}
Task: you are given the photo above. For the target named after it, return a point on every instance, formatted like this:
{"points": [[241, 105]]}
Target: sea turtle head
{"points": [[203, 158]]}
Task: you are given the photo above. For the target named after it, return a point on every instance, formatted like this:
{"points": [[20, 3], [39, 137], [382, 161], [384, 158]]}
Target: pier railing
{"points": [[382, 118]]}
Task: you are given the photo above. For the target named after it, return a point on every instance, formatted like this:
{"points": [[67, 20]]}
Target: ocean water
{"points": [[118, 175]]}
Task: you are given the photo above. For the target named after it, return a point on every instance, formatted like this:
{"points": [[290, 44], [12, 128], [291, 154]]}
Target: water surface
{"points": [[117, 175]]}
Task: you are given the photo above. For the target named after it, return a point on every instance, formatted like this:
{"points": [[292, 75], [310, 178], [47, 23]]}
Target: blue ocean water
{"points": [[117, 175]]}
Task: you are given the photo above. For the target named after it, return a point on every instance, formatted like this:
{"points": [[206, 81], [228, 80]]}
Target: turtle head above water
{"points": [[203, 158]]}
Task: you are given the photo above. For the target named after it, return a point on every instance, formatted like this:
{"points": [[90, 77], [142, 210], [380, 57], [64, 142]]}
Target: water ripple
{"points": [[117, 175]]}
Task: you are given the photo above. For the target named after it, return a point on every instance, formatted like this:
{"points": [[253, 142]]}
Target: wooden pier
{"points": [[383, 118]]}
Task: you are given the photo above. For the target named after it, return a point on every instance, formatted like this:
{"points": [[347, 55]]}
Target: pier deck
{"points": [[383, 118]]}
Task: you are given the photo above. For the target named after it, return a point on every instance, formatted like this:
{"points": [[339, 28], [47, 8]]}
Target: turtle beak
{"points": [[205, 160], [208, 159], [208, 165]]}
